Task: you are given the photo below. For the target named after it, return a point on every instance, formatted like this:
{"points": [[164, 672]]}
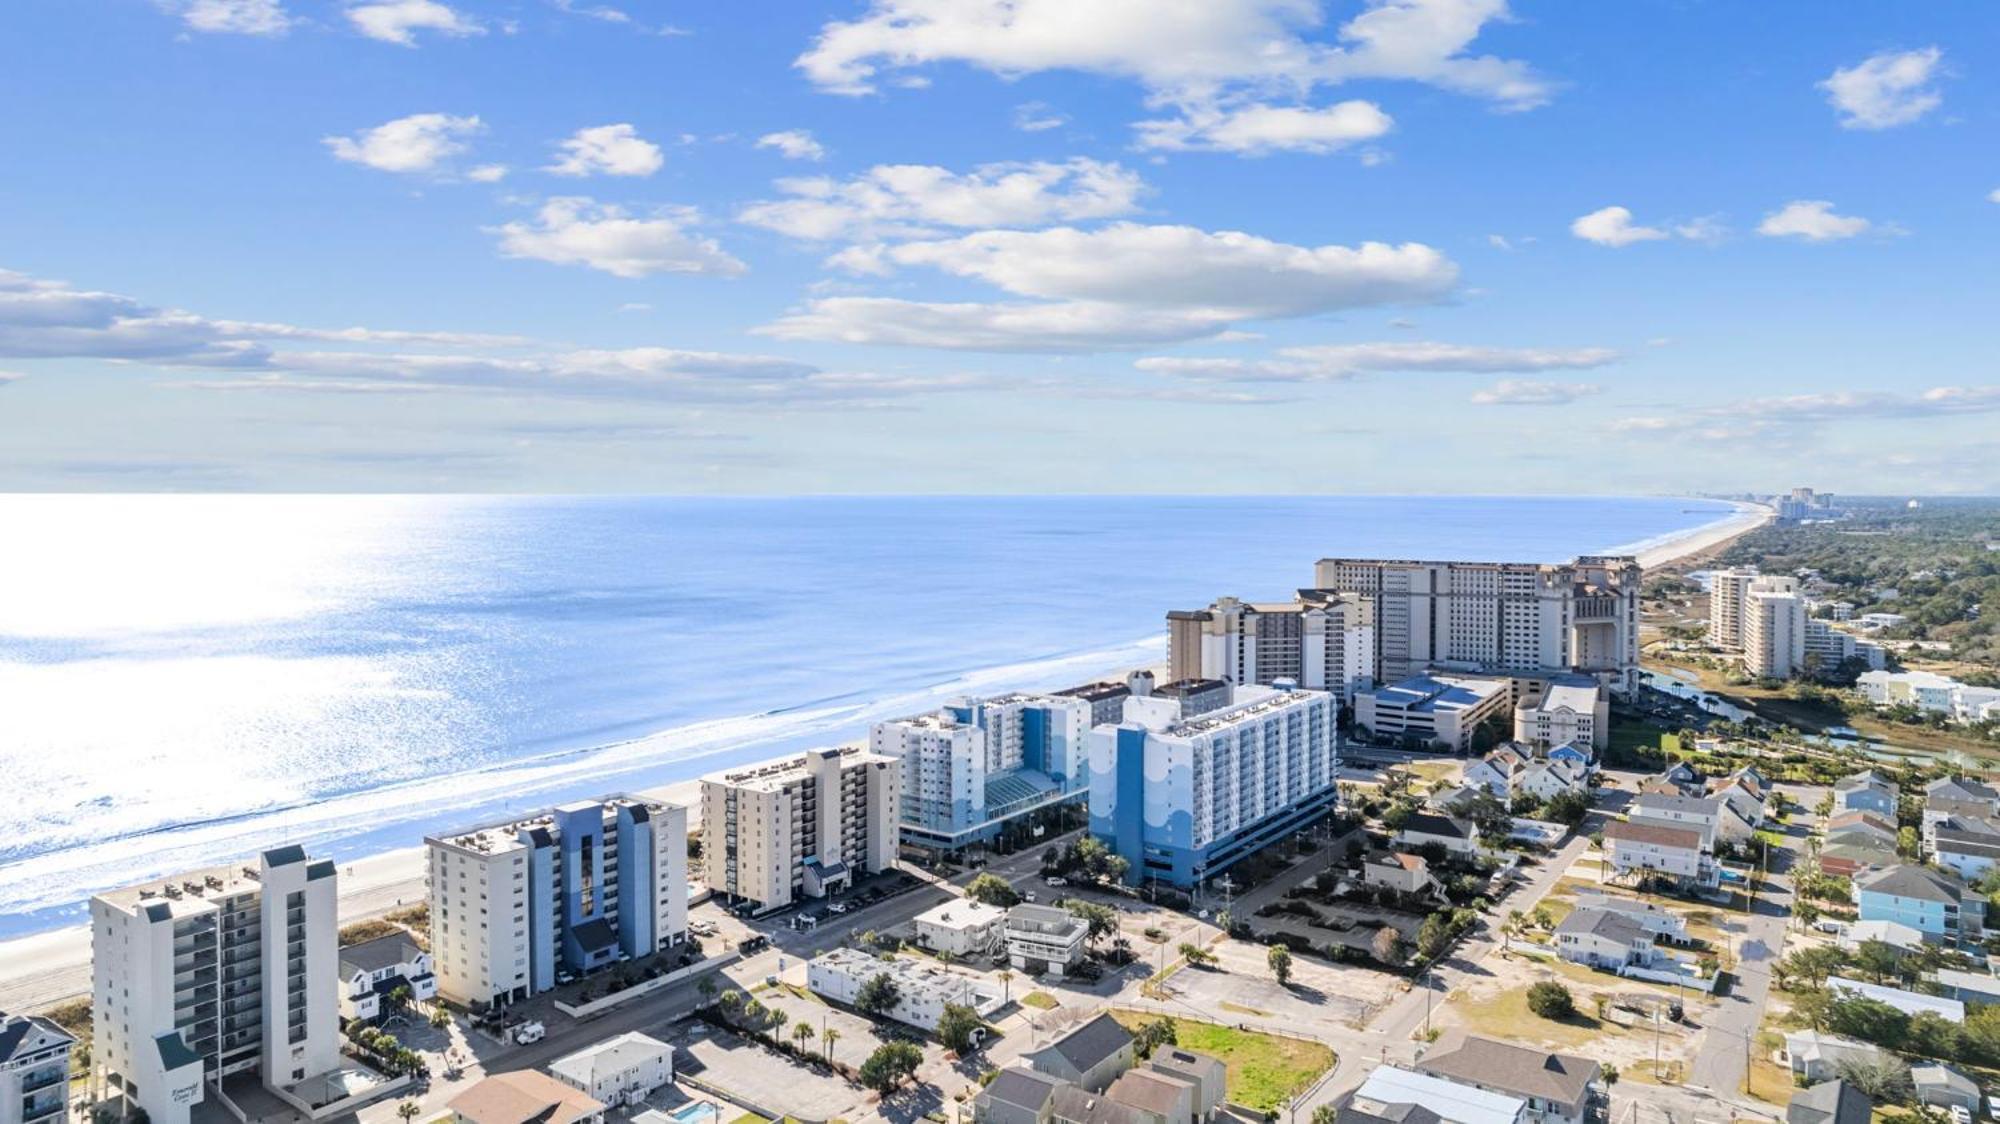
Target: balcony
{"points": [[45, 1079]]}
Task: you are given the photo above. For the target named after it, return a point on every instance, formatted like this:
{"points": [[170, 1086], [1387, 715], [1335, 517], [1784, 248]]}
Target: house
{"points": [[1453, 833], [1975, 989], [1663, 923], [1816, 1057], [1748, 779], [923, 988], [1161, 1097], [1866, 791], [1388, 1086], [1929, 901], [623, 1070], [372, 971], [1558, 1088], [1496, 771], [1680, 777], [1909, 1002], [1575, 756], [1386, 1114], [1963, 791], [1406, 874], [1599, 938], [1074, 1105], [1635, 847], [961, 927], [1855, 858], [34, 1070], [1873, 826], [1890, 933], [1451, 799], [1016, 1095], [1741, 804], [525, 1096], [1969, 846], [1044, 939], [1716, 818], [1939, 1084], [1830, 1102], [1091, 1056], [1208, 1075], [1546, 780]]}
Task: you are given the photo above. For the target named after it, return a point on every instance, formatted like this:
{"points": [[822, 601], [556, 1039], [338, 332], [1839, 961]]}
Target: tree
{"points": [[1814, 965], [778, 1020], [1933, 1036], [707, 989], [991, 889], [732, 1001], [956, 1027], [829, 1036], [1551, 1000], [1325, 1114], [1609, 1072], [440, 1017], [1006, 977], [1387, 946], [1879, 959], [1490, 814], [1223, 920], [1869, 1020], [1807, 912], [1153, 1035], [1101, 919], [1568, 807], [890, 1065], [408, 1110], [1280, 960], [879, 994], [1886, 1080], [1195, 954], [803, 1034], [1434, 936]]}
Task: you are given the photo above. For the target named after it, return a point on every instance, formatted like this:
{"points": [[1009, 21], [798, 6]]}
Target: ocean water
{"points": [[184, 679]]}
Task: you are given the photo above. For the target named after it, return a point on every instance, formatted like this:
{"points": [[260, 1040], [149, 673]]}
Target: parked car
{"points": [[836, 907], [530, 1032], [1029, 896], [1055, 880]]}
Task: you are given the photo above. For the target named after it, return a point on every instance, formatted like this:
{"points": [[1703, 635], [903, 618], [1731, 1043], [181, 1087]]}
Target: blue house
{"points": [[1866, 791], [1934, 904], [1571, 753]]}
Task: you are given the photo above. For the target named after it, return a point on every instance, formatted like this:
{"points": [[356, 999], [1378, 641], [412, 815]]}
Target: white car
{"points": [[1055, 880], [1028, 897], [836, 907]]}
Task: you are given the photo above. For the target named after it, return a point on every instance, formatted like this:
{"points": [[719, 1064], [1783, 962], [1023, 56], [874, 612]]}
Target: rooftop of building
{"points": [[961, 913], [776, 774], [524, 1096], [502, 836], [1460, 1104], [1830, 1102], [1048, 920], [1150, 1090], [1521, 1070], [1911, 881], [1439, 690], [1573, 694], [197, 891], [1609, 924], [1246, 704], [1908, 1002], [914, 978], [1097, 692], [17, 1030], [1660, 835], [386, 951], [608, 1058], [1091, 1043]]}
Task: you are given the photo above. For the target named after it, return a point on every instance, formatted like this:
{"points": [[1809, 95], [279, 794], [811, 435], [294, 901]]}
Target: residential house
{"points": [[1680, 777], [1830, 1102], [1975, 989], [1208, 1075], [1599, 938], [1891, 933], [1406, 874], [1967, 845], [1939, 1084], [961, 927], [1872, 826], [1742, 803], [1162, 1098], [1580, 757], [1856, 856], [1716, 818], [1817, 1057], [1075, 1105], [1558, 1088], [1636, 847], [1909, 1002], [1016, 1095], [1866, 791], [525, 1096], [372, 972], [1663, 923], [1496, 771], [1748, 778], [1929, 901], [1453, 833], [1451, 799], [1044, 939], [924, 988], [34, 1070], [623, 1070], [1546, 780], [1453, 1103], [1091, 1056]]}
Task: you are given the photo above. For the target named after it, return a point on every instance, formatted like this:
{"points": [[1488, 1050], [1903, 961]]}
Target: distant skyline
{"points": [[1235, 246]]}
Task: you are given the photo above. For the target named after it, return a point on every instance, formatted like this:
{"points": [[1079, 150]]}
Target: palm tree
{"points": [[1006, 990], [408, 1110], [778, 1020], [803, 1033], [831, 1036], [707, 989]]}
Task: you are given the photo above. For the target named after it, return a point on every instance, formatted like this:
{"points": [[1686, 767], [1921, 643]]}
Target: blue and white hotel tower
{"points": [[975, 766], [515, 906], [1184, 799]]}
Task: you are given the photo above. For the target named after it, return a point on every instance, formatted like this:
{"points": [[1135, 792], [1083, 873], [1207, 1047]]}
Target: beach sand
{"points": [[47, 968]]}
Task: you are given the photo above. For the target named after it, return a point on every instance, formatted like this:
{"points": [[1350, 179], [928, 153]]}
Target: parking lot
{"points": [[762, 1078]]}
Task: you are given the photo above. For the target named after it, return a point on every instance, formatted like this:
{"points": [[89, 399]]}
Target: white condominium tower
{"points": [[975, 766], [1762, 616], [1512, 617], [212, 973], [799, 826], [518, 906], [1323, 641]]}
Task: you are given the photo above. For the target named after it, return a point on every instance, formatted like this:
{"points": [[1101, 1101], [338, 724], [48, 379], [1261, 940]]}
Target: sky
{"points": [[972, 246]]}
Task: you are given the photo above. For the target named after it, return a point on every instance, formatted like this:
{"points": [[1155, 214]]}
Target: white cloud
{"points": [[891, 200], [612, 150], [1613, 226], [600, 12], [1038, 117], [234, 17], [1199, 56], [487, 173], [578, 231], [1069, 326], [1885, 90], [794, 144], [1531, 392], [1993, 196], [1811, 220], [1708, 229], [417, 143], [50, 320], [398, 21], [1254, 128], [1333, 362]]}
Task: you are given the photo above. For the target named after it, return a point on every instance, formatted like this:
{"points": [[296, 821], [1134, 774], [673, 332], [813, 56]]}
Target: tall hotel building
{"points": [[1509, 617], [799, 826], [212, 973], [1322, 641], [1184, 798], [976, 765], [517, 905]]}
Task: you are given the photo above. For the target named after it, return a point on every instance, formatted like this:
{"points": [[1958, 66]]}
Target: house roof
{"points": [[609, 1057], [1908, 881], [386, 951], [1023, 1088], [1075, 1103], [1088, 1045], [1460, 1104], [1867, 778], [18, 1029], [1888, 932], [1657, 834], [1158, 1093], [1413, 863], [1603, 923], [1389, 1114], [1175, 1060], [1686, 805], [1451, 827], [1959, 788], [1908, 1002], [1859, 817], [1521, 1070], [1811, 1045], [524, 1096], [1830, 1102], [1940, 1076]]}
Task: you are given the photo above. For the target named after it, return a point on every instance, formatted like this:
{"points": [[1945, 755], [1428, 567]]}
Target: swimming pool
{"points": [[700, 1112]]}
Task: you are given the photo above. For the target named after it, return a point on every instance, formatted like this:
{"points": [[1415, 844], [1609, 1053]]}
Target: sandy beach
{"points": [[47, 968]]}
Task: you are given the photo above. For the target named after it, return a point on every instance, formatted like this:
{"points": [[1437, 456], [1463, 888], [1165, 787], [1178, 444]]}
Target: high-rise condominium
{"points": [[212, 973], [518, 906], [1762, 616], [799, 826], [1322, 640], [975, 766]]}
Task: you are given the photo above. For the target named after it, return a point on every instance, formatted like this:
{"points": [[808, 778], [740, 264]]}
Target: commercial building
{"points": [[799, 827], [520, 906], [34, 1070], [923, 989], [961, 927], [1558, 1088], [1514, 617], [1323, 641], [1182, 799], [372, 972], [1107, 699], [1567, 711], [1441, 710], [975, 766], [1774, 633], [1044, 939], [622, 1070], [525, 1096], [212, 973]]}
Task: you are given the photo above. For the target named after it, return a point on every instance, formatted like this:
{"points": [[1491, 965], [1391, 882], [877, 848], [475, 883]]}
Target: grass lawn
{"points": [[1506, 1016], [1040, 1000], [1264, 1069], [1429, 771]]}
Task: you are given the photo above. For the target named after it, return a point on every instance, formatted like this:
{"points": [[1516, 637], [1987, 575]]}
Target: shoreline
{"points": [[41, 969]]}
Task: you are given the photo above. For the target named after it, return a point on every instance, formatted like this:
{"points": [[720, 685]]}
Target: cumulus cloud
{"points": [[572, 230], [421, 142], [1201, 56], [233, 17], [904, 200], [1332, 362], [793, 144], [1613, 226], [1887, 89], [1124, 285], [398, 21], [1255, 128], [611, 150], [1811, 220], [1532, 392], [487, 173]]}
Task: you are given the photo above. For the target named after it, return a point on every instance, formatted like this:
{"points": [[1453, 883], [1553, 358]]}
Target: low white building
{"points": [[1454, 1103], [923, 989], [1044, 939], [1599, 938], [1663, 923], [1817, 1057], [622, 1070], [372, 972], [961, 927], [1567, 712], [1909, 1002], [1453, 833], [1407, 874], [1438, 709]]}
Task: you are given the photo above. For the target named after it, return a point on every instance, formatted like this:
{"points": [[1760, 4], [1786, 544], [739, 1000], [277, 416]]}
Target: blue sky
{"points": [[1020, 246]]}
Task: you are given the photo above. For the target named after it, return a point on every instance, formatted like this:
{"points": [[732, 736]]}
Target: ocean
{"points": [[186, 679]]}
